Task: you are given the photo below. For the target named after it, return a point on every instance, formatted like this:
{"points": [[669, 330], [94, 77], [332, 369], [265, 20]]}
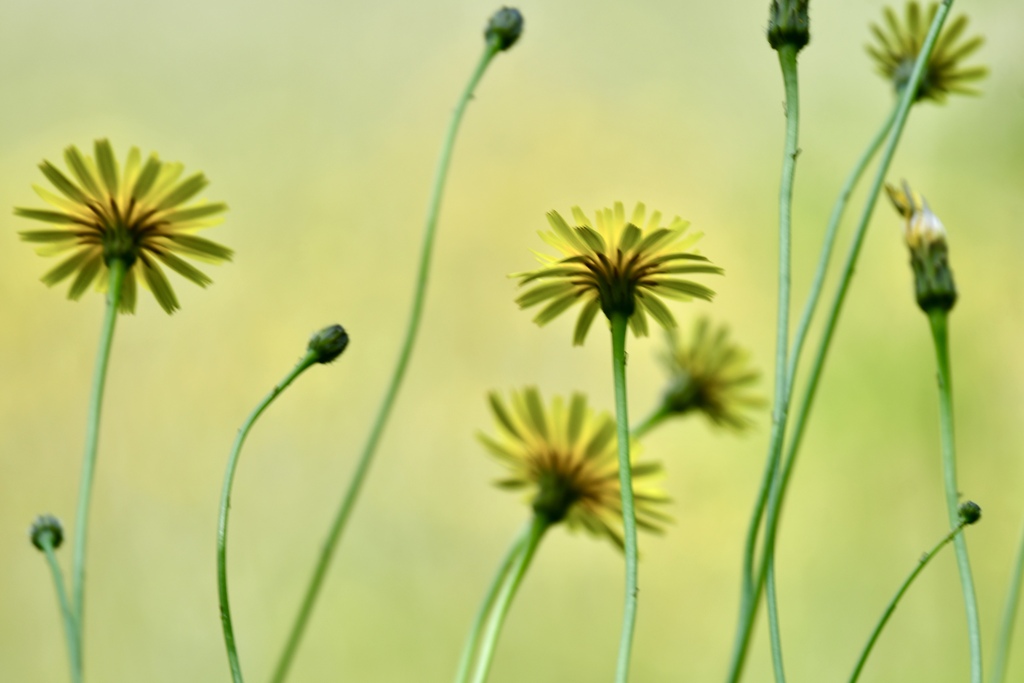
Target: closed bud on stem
{"points": [[505, 27], [328, 343], [970, 512], [929, 254], [788, 24], [46, 530]]}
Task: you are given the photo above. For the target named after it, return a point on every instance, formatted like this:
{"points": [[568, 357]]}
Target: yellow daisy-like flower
{"points": [[710, 375], [138, 216], [896, 52], [566, 456], [616, 267]]}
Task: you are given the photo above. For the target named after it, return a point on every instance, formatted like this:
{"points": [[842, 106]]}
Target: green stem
{"points": [[70, 628], [365, 459], [472, 640], [660, 414], [827, 247], [939, 319], [619, 323], [787, 61], [92, 434], [504, 600], [921, 564], [998, 674], [225, 506], [753, 588]]}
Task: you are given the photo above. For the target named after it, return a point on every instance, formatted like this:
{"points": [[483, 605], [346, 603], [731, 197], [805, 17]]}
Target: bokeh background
{"points": [[319, 123]]}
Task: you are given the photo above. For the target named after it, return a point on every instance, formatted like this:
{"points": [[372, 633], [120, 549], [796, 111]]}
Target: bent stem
{"points": [[366, 458], [921, 564], [998, 674], [92, 435], [475, 631], [938, 319], [753, 582], [225, 506], [539, 525], [70, 628], [619, 323], [660, 414]]}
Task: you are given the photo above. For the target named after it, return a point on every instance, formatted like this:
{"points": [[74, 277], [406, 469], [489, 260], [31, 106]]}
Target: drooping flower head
{"points": [[710, 375], [896, 51], [565, 456], [925, 237], [615, 266], [139, 215]]}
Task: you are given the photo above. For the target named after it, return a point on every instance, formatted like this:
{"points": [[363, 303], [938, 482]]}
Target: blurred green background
{"points": [[319, 123]]}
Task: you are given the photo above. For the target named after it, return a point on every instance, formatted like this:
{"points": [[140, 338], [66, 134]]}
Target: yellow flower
{"points": [[139, 217], [934, 285], [922, 227], [896, 52], [566, 457], [710, 375], [617, 267]]}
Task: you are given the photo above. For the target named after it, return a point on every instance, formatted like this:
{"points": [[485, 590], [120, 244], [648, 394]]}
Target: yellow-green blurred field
{"points": [[319, 123]]}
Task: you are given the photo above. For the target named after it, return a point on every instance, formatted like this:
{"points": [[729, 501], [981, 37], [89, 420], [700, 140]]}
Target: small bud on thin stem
{"points": [[788, 24], [328, 343], [970, 512], [505, 27], [43, 526]]}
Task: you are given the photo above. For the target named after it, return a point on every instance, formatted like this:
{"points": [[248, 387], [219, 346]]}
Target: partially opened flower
{"points": [[139, 215], [896, 51], [925, 237], [565, 457], [618, 266], [710, 375]]}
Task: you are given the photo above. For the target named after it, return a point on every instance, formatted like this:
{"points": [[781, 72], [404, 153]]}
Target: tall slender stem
{"points": [[787, 61], [497, 583], [225, 506], [504, 600], [921, 564], [938, 319], [419, 296], [66, 612], [619, 323], [92, 435], [998, 673], [753, 589]]}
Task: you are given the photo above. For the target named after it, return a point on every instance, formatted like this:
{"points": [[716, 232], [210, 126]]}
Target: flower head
{"points": [[710, 375], [137, 215], [929, 254], [895, 54], [46, 530], [616, 267], [566, 457]]}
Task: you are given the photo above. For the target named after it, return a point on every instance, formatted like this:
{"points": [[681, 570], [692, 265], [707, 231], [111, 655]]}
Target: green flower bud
{"points": [[970, 512], [788, 24], [929, 254], [505, 27], [46, 526], [328, 343]]}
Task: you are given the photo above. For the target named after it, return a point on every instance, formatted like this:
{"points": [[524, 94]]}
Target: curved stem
{"points": [[619, 325], [92, 435], [748, 606], [504, 600], [225, 506], [365, 459], [660, 414], [787, 61], [70, 627], [472, 640], [998, 674], [938, 319], [921, 564], [827, 247]]}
